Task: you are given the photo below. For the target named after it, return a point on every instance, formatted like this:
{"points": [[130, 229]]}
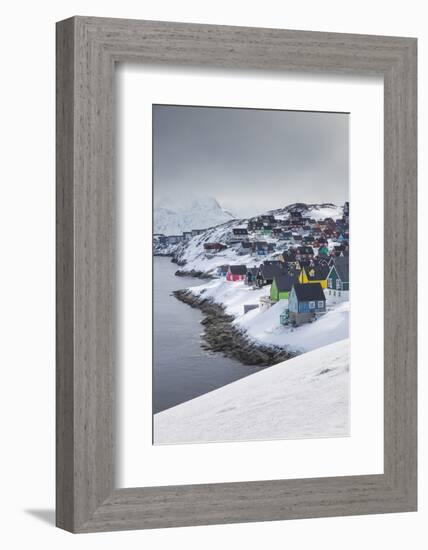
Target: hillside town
{"points": [[297, 257]]}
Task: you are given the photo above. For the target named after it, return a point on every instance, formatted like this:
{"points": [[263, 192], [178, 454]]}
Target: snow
{"points": [[264, 326], [232, 295], [322, 212], [192, 256], [201, 213], [313, 211], [304, 397]]}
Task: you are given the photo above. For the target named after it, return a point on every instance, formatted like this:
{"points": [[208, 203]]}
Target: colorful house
{"points": [[260, 248], [304, 252], [338, 280], [236, 273], [251, 276], [322, 260], [267, 272], [281, 286], [255, 225], [314, 274], [240, 231], [268, 218], [288, 256], [323, 251], [222, 270], [267, 229], [305, 302]]}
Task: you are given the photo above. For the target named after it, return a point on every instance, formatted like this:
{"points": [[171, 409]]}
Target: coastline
{"points": [[221, 336], [193, 273]]}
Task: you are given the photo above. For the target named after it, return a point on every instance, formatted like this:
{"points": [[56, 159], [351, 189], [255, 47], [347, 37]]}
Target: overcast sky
{"points": [[249, 160]]}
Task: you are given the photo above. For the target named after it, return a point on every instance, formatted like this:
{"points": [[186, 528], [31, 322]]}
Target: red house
{"points": [[236, 273]]}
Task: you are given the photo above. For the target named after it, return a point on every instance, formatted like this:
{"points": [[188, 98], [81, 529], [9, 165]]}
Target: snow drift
{"points": [[304, 397]]}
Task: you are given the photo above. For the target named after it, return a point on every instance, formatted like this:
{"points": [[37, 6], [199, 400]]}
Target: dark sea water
{"points": [[182, 370]]}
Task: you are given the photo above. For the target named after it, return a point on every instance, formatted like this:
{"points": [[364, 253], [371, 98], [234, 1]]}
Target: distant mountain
{"points": [[199, 214]]}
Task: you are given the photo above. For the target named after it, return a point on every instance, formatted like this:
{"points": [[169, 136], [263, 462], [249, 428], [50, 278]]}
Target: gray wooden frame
{"points": [[87, 50]]}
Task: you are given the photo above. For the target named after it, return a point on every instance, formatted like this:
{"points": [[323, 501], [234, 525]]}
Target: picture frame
{"points": [[87, 50]]}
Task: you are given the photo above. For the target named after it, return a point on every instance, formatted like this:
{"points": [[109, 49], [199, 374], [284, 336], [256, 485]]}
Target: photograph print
{"points": [[250, 274]]}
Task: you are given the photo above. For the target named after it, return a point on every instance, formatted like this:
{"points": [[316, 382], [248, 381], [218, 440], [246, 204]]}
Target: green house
{"points": [[267, 230], [338, 277], [281, 286]]}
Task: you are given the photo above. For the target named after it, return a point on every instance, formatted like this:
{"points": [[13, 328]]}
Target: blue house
{"points": [[305, 302], [222, 270]]}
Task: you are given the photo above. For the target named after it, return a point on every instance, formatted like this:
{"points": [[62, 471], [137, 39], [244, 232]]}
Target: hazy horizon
{"points": [[249, 160], [182, 204]]}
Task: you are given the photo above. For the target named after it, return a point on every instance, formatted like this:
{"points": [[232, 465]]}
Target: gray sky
{"points": [[249, 160]]}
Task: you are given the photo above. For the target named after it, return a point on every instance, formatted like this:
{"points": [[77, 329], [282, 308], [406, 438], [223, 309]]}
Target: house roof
{"points": [[321, 272], [305, 250], [321, 260], [289, 255], [238, 269], [285, 281], [268, 271], [342, 267], [309, 292], [272, 262]]}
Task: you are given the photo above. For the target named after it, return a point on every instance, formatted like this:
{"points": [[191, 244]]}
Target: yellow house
{"points": [[316, 274]]}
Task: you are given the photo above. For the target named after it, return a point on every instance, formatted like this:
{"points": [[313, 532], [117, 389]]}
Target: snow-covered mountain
{"points": [[201, 213], [304, 397]]}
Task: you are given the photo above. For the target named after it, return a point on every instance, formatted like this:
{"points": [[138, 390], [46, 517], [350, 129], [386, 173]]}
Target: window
{"points": [[321, 304], [338, 284], [311, 305], [329, 283]]}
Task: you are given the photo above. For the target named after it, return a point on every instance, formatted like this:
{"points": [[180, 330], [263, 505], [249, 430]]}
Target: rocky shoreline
{"points": [[193, 273], [221, 336]]}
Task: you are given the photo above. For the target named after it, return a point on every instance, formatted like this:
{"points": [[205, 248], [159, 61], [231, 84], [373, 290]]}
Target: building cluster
{"points": [[265, 234], [298, 235], [166, 240], [311, 269]]}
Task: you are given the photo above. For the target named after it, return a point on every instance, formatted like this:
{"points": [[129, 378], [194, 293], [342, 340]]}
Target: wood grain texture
{"points": [[87, 49]]}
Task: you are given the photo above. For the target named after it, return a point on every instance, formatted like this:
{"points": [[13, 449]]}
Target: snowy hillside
{"points": [[192, 255], [264, 327], [304, 397], [199, 214], [313, 211]]}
